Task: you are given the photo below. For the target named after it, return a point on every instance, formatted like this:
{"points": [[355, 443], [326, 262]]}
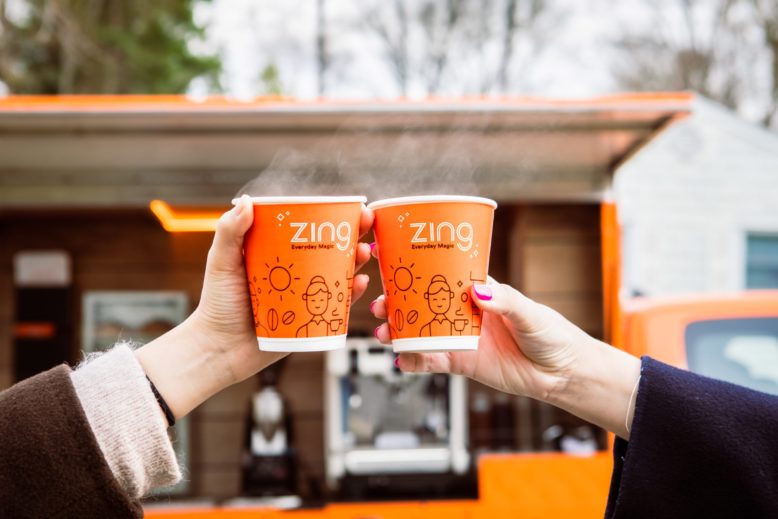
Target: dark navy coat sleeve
{"points": [[698, 447]]}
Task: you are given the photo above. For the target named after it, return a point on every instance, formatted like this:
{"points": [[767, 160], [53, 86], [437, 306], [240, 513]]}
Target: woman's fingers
{"points": [[378, 307], [363, 255], [382, 334], [408, 362], [425, 362], [365, 220], [363, 249], [505, 300], [359, 286]]}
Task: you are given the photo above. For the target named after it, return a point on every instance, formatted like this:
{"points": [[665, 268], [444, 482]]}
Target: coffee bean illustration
{"points": [[398, 319], [413, 315], [272, 319], [288, 317]]}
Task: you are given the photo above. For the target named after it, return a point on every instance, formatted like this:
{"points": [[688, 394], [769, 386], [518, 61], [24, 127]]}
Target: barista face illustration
{"points": [[316, 297], [438, 296]]}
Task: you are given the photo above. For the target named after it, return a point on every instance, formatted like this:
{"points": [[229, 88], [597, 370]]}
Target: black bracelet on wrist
{"points": [[171, 419]]}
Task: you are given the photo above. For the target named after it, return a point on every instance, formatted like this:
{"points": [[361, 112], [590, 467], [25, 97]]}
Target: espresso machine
{"points": [[391, 434], [268, 457]]}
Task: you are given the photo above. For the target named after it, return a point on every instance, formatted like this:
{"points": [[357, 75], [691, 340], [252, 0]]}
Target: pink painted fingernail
{"points": [[372, 304], [484, 292], [372, 246], [375, 332], [397, 362]]}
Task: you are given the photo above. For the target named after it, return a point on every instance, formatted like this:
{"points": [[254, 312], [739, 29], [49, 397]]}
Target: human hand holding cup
{"points": [[216, 346]]}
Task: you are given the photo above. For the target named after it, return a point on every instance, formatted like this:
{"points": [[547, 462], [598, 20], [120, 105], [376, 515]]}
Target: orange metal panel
{"points": [[544, 486], [610, 236], [97, 103], [657, 327], [548, 485]]}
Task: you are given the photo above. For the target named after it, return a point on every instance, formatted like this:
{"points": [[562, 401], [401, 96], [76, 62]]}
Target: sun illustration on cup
{"points": [[280, 278], [403, 278]]}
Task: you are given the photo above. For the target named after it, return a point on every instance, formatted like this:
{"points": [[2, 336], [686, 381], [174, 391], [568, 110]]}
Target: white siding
{"points": [[688, 199]]}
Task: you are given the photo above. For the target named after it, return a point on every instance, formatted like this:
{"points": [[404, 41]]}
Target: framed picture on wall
{"points": [[110, 317], [139, 317]]}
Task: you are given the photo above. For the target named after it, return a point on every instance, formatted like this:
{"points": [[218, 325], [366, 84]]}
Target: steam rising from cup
{"points": [[401, 156]]}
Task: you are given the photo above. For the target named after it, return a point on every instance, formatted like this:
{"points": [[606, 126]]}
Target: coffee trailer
{"points": [[106, 208]]}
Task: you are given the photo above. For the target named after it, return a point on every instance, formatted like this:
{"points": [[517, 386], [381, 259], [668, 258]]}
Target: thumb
{"points": [[502, 299], [226, 252]]}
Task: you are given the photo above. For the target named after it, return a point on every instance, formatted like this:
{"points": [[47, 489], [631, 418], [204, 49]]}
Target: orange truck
{"points": [[549, 163]]}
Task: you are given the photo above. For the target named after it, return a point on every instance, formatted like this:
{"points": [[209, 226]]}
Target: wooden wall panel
{"points": [[5, 377], [232, 401], [582, 309], [219, 441], [556, 260], [219, 481], [309, 445], [563, 267], [302, 385], [557, 221]]}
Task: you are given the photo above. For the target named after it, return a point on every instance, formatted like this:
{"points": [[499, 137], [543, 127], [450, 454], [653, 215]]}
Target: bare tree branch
{"points": [[767, 15], [450, 35], [507, 44], [322, 52], [654, 61]]}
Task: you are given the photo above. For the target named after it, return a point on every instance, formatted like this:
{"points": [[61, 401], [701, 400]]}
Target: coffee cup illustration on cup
{"points": [[300, 255], [432, 249]]}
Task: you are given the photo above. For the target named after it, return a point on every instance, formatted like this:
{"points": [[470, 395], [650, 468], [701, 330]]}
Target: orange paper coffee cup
{"points": [[300, 254], [431, 251]]}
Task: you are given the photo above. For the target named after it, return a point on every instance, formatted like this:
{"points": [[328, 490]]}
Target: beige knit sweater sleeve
{"points": [[126, 420]]}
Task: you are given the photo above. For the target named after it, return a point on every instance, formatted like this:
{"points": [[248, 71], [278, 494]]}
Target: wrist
{"points": [[600, 386], [184, 371]]}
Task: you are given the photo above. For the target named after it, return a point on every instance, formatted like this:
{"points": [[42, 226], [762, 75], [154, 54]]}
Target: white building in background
{"points": [[699, 207]]}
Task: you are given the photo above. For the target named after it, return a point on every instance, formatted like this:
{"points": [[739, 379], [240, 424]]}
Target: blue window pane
{"points": [[762, 261], [741, 351]]}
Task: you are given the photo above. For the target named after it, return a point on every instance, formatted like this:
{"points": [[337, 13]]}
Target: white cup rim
{"points": [[431, 199], [276, 200]]}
